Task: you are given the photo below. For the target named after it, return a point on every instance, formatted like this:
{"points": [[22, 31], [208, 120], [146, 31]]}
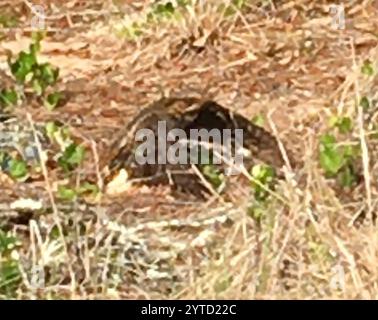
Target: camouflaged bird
{"points": [[187, 114]]}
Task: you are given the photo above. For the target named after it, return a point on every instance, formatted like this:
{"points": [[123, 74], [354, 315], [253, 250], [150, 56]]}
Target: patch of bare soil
{"points": [[283, 61]]}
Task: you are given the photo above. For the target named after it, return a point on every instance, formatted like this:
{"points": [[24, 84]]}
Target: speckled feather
{"points": [[187, 114]]}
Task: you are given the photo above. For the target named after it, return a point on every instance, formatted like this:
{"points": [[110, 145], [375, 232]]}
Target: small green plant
{"points": [[66, 193], [367, 68], [15, 167], [258, 120], [263, 180], [58, 134], [72, 157], [10, 276], [343, 124], [213, 175], [4, 160], [33, 78], [88, 189], [70, 194], [71, 153], [51, 128], [210, 171], [44, 75], [337, 160], [22, 67], [160, 11], [18, 169], [8, 98], [52, 100], [331, 155], [365, 103], [262, 211]]}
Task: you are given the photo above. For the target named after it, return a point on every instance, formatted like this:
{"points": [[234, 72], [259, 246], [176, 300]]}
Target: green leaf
{"points": [[35, 48], [72, 156], [166, 9], [263, 173], [345, 125], [367, 68], [7, 242], [365, 103], [54, 233], [337, 161], [37, 37], [8, 97], [23, 65], [5, 159], [169, 7], [331, 160], [332, 122], [10, 275], [51, 128], [328, 140], [87, 187], [17, 169], [213, 175], [57, 133], [256, 211], [66, 193], [9, 268], [258, 120], [44, 75], [347, 177], [49, 74], [38, 87], [263, 176], [374, 134], [351, 151], [52, 100]]}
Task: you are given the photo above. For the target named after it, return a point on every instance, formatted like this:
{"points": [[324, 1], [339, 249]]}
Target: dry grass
{"points": [[280, 59]]}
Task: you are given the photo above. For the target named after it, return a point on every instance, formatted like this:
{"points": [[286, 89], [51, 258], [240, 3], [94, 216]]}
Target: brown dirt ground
{"points": [[285, 62]]}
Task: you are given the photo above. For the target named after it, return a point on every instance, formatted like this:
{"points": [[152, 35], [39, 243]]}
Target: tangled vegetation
{"points": [[308, 233]]}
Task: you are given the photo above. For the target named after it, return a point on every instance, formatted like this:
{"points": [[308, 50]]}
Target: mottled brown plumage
{"points": [[187, 114]]}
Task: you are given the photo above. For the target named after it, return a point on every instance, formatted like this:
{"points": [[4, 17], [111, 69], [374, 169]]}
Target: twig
{"points": [[364, 148], [52, 200]]}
